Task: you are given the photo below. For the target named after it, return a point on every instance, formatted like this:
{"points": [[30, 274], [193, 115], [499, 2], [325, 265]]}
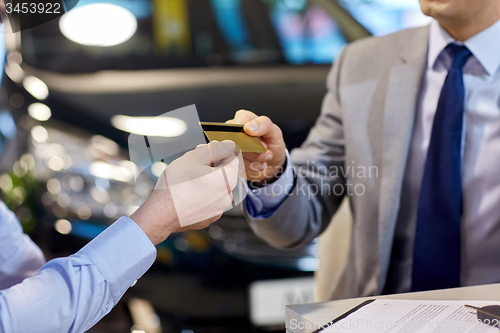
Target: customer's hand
{"points": [[191, 193], [263, 168]]}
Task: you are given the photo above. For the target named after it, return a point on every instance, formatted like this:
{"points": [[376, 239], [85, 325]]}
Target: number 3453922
{"points": [[33, 8]]}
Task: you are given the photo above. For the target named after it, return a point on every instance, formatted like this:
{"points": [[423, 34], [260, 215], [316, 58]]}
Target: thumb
{"points": [[216, 151], [265, 128]]}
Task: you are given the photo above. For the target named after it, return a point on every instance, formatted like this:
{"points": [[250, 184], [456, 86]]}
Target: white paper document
{"points": [[415, 316]]}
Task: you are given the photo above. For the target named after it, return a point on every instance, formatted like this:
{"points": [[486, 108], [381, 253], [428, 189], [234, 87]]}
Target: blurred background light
{"points": [[14, 72], [99, 194], [152, 126], [84, 212], [104, 145], [98, 24], [53, 186], [110, 210], [76, 183], [36, 87], [157, 168], [63, 226], [55, 163], [6, 183], [111, 171], [39, 111], [39, 134], [64, 200]]}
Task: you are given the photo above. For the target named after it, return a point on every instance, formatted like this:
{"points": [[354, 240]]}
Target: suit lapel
{"points": [[403, 91]]}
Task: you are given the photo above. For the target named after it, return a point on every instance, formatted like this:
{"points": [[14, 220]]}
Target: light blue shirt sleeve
{"points": [[19, 256], [72, 294], [263, 202]]}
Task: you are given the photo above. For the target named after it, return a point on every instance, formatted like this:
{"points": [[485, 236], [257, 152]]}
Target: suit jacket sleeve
{"points": [[320, 185]]}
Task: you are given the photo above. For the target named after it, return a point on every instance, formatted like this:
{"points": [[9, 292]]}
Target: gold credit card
{"points": [[235, 133]]}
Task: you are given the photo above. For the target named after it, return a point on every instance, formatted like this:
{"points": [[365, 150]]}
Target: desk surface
{"points": [[301, 316]]}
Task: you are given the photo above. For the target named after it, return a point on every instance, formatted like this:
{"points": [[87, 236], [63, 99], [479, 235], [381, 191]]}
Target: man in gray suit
{"points": [[424, 203]]}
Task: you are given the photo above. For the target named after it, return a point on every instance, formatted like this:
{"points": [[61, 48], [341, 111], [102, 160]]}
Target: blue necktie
{"points": [[436, 258]]}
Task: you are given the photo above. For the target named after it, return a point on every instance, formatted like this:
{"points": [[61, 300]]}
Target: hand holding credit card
{"points": [[262, 168], [235, 133]]}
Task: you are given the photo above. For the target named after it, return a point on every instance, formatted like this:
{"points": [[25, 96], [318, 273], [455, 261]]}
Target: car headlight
{"points": [[87, 177]]}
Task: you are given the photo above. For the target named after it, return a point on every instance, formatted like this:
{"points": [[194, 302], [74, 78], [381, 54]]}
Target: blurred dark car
{"points": [[268, 56]]}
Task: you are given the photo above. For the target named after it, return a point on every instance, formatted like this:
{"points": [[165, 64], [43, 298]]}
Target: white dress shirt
{"points": [[19, 256], [68, 294], [480, 230]]}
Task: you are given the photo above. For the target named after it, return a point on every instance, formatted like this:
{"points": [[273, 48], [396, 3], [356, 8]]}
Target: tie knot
{"points": [[460, 54]]}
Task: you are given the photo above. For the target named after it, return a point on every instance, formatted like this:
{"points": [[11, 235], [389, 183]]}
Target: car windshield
{"points": [[383, 17], [200, 33], [193, 33]]}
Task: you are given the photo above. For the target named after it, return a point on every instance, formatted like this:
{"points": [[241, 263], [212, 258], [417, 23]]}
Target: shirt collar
{"points": [[484, 46]]}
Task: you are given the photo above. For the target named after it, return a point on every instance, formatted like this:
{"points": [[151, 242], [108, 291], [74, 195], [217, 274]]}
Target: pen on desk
{"points": [[480, 310]]}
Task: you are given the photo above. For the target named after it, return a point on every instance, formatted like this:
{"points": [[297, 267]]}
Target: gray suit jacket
{"points": [[359, 146]]}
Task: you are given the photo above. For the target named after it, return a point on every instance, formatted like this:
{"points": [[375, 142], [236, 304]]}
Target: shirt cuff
{"points": [[122, 253], [262, 202]]}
